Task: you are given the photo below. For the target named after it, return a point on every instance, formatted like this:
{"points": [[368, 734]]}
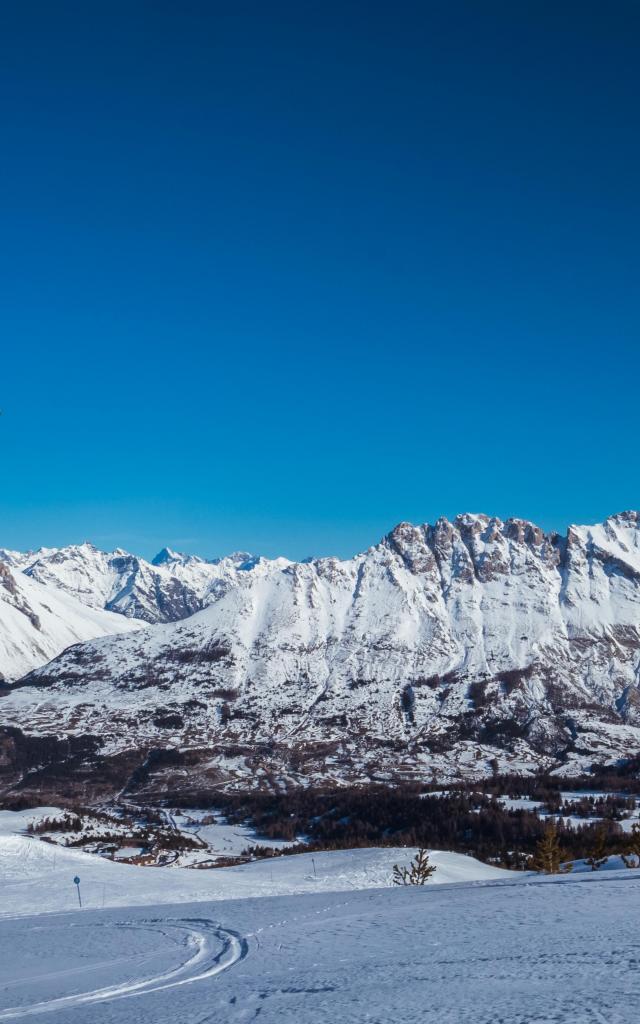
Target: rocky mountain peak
{"points": [[167, 555]]}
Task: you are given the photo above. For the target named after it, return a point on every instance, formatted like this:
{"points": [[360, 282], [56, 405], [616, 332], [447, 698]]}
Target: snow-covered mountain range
{"points": [[172, 586], [453, 649]]}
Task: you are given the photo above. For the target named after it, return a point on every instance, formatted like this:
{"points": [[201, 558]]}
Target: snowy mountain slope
{"points": [[37, 623], [452, 649]]}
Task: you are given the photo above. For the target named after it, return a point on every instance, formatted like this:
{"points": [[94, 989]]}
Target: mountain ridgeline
{"points": [[448, 651]]}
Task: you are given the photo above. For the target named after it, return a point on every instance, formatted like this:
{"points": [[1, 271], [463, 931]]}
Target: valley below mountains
{"points": [[448, 651]]}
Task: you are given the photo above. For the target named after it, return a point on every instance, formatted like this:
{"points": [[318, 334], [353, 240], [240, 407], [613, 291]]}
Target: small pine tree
{"points": [[597, 856], [631, 856], [549, 855], [418, 872]]}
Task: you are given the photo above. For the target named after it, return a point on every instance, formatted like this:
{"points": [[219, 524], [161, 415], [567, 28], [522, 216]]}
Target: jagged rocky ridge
{"points": [[455, 649]]}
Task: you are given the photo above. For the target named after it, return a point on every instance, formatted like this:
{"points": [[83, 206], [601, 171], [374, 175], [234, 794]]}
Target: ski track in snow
{"points": [[207, 961]]}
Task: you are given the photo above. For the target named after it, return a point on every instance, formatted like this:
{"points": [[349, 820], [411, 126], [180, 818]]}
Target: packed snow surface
{"points": [[496, 947]]}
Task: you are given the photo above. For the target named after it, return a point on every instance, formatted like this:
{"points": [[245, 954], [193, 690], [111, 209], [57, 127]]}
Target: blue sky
{"points": [[277, 276]]}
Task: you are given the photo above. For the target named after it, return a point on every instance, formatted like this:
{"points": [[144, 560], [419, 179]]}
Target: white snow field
{"points": [[180, 946]]}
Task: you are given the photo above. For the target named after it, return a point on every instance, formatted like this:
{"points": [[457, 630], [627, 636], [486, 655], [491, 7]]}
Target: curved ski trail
{"points": [[207, 961]]}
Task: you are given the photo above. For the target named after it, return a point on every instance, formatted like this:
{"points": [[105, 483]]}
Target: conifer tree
{"points": [[597, 855], [631, 856], [418, 872], [549, 855]]}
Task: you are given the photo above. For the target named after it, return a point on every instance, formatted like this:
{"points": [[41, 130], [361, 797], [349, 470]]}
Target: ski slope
{"points": [[474, 952], [174, 945], [203, 950]]}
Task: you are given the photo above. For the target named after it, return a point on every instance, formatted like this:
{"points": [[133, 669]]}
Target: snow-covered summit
{"points": [[172, 587]]}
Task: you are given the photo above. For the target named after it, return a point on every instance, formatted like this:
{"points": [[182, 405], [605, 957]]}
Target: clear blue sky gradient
{"points": [[275, 276]]}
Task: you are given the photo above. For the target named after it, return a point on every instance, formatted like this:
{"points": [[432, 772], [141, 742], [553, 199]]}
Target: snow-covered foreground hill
{"points": [[515, 949], [37, 876]]}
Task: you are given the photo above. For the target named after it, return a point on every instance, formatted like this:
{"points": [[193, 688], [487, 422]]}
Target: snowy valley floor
{"points": [[189, 947]]}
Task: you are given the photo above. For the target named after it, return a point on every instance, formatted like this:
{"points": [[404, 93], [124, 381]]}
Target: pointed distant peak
{"points": [[168, 555], [68, 553], [63, 547], [13, 557], [84, 547]]}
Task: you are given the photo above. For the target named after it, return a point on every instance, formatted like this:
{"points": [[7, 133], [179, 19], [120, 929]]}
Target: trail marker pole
{"points": [[76, 882], [315, 873]]}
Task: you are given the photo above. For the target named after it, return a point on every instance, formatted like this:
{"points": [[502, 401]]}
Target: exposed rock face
{"points": [[15, 599], [456, 648]]}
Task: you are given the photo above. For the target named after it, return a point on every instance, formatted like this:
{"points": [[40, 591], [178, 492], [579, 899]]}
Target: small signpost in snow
{"points": [[76, 882]]}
